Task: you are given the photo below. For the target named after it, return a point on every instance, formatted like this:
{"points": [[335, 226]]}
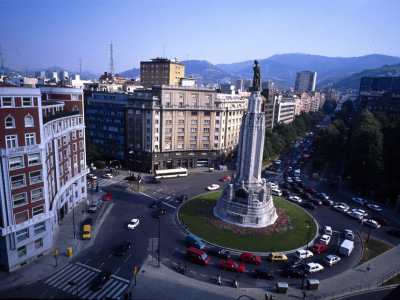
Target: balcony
{"points": [[58, 115]]}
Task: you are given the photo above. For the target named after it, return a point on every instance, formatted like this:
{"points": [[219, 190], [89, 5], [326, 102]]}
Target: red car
{"points": [[381, 220], [297, 189], [226, 178], [306, 196], [232, 266], [315, 201], [318, 248], [310, 190], [107, 197], [250, 258], [287, 162]]}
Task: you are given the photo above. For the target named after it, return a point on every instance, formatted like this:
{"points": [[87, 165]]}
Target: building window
{"points": [[26, 102], [193, 138], [207, 113], [16, 162], [39, 227], [206, 129], [181, 113], [34, 159], [17, 181], [168, 138], [11, 141], [181, 122], [38, 243], [21, 251], [37, 194], [193, 129], [192, 145], [28, 121], [193, 121], [180, 146], [206, 145], [10, 123], [167, 147], [80, 144], [35, 177], [19, 199], [168, 113], [30, 139], [206, 138], [194, 113], [181, 138], [168, 122], [168, 130], [7, 102], [22, 234], [38, 210], [21, 217]]}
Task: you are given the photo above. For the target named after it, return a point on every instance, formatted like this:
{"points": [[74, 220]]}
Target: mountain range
{"points": [[339, 72]]}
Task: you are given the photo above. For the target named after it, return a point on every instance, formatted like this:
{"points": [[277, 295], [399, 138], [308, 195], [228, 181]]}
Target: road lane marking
{"points": [[101, 265], [127, 258]]}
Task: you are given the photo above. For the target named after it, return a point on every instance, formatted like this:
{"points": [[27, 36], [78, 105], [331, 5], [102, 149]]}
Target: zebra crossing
{"points": [[83, 276]]}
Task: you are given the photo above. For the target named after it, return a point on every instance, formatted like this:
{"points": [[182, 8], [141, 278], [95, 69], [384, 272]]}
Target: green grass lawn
{"points": [[293, 238]]}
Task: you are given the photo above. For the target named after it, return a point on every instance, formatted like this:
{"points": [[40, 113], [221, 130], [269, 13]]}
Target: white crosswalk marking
{"points": [[84, 277]]}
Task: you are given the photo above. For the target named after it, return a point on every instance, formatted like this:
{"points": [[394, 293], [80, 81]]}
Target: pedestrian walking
{"points": [[130, 295], [266, 296], [304, 294], [271, 297], [83, 212], [368, 268]]}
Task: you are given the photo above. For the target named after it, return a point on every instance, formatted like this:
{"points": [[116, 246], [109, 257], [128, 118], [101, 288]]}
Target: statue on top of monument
{"points": [[257, 77]]}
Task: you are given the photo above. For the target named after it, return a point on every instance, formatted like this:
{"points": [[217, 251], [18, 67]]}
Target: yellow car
{"points": [[276, 256]]}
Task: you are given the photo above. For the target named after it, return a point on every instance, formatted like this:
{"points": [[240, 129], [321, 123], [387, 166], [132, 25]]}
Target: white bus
{"points": [[169, 173]]}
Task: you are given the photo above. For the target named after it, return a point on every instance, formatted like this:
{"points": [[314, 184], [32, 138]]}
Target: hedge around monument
{"points": [[293, 238]]}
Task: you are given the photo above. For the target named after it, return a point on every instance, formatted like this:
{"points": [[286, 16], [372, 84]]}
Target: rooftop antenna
{"points": [[2, 60], [111, 59]]}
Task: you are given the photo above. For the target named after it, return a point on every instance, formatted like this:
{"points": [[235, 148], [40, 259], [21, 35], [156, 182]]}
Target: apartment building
{"points": [[284, 109], [43, 166], [268, 107], [160, 71], [305, 82]]}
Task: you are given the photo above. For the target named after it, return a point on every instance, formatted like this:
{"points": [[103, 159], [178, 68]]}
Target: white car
{"points": [[330, 260], [276, 192], [343, 204], [107, 176], [302, 254], [355, 215], [91, 176], [358, 200], [328, 230], [313, 267], [323, 196], [297, 179], [133, 224], [348, 234], [289, 179], [295, 199], [372, 223], [361, 211], [325, 239], [374, 207], [278, 162], [213, 187], [340, 208]]}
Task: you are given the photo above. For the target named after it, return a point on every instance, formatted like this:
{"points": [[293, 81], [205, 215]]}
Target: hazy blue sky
{"points": [[41, 34]]}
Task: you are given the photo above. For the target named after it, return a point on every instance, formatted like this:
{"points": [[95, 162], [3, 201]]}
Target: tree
{"points": [[329, 106], [91, 153], [339, 125], [348, 105]]}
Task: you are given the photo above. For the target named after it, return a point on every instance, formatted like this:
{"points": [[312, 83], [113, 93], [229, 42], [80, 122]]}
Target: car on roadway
{"points": [[355, 214], [226, 178], [340, 208], [276, 192], [156, 203], [160, 212], [107, 196], [219, 252], [286, 185], [287, 162], [302, 254], [310, 189], [308, 205], [295, 262], [316, 201], [289, 179], [182, 197], [371, 223], [154, 181], [381, 220], [328, 230], [295, 199], [250, 258], [133, 223], [313, 267], [130, 178], [286, 193], [263, 274], [93, 208], [325, 239], [306, 196], [91, 176], [233, 266], [100, 280], [108, 176], [348, 234], [327, 202], [318, 248], [293, 272], [358, 200], [213, 187], [347, 207], [298, 190], [322, 196], [276, 256], [374, 207], [122, 248], [278, 162], [361, 211], [330, 260], [289, 169], [297, 179]]}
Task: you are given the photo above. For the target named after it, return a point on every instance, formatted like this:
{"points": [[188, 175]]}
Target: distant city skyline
{"points": [[42, 34]]}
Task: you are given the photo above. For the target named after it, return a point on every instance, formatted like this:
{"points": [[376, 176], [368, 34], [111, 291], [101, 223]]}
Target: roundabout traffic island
{"points": [[289, 232]]}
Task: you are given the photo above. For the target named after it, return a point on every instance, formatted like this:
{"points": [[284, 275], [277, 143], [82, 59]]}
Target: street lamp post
{"points": [[305, 260], [159, 240], [77, 290]]}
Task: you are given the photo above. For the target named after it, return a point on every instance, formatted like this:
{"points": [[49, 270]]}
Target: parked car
{"points": [[264, 274], [322, 196], [278, 162], [295, 199], [374, 207], [328, 230], [361, 211], [122, 248], [286, 193], [302, 254], [306, 196], [183, 197], [347, 207], [348, 234], [250, 258], [295, 262], [358, 200], [219, 252], [316, 201], [297, 189], [381, 220], [154, 181], [297, 179], [93, 208], [340, 208], [308, 205], [276, 192], [107, 176], [100, 280], [355, 215], [276, 256], [327, 202], [91, 176], [293, 272], [226, 178], [213, 187], [313, 267], [318, 248], [231, 265], [289, 179], [133, 223], [310, 190], [325, 239], [371, 223], [160, 212], [330, 260], [107, 197], [286, 185]]}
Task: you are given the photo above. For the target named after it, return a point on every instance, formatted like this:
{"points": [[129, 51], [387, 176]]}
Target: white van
{"points": [[297, 173], [346, 247], [276, 192]]}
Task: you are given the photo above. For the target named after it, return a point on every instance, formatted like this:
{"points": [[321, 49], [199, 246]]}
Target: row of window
{"points": [[205, 122], [19, 181], [181, 146], [22, 199], [12, 140], [17, 162], [10, 102], [10, 121], [24, 233]]}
